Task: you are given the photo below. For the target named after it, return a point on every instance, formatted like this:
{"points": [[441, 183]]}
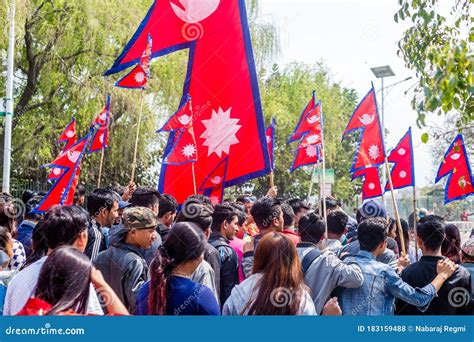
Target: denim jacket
{"points": [[381, 286]]}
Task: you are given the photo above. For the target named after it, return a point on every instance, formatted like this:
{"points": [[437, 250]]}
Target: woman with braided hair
{"points": [[170, 290]]}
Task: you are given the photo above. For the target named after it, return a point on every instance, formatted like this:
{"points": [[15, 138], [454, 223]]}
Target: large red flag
{"points": [[365, 119], [456, 166], [270, 134], [68, 136], [222, 81], [213, 184], [307, 119], [101, 137], [403, 172], [371, 186], [69, 162], [138, 77]]}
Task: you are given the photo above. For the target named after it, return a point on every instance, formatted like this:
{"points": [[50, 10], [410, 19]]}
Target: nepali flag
{"points": [[365, 119], [213, 184], [456, 166], [306, 156], [100, 140], [222, 81], [309, 117], [68, 136], [270, 133], [182, 119], [371, 186], [184, 151], [403, 172], [313, 127], [69, 162], [138, 77]]}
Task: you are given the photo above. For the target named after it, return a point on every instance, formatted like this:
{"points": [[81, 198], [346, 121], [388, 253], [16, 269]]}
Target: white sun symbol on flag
{"points": [[371, 186], [402, 174], [101, 138], [56, 171], [139, 77], [374, 152], [312, 139], [220, 133], [69, 134], [402, 151], [189, 150], [311, 151], [184, 119], [216, 180]]}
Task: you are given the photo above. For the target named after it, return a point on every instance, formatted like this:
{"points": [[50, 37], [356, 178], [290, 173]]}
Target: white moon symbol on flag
{"points": [[73, 156], [216, 180], [455, 156], [70, 134], [193, 11]]}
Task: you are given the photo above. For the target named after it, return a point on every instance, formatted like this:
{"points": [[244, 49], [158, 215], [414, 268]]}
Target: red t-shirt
{"points": [[292, 235]]}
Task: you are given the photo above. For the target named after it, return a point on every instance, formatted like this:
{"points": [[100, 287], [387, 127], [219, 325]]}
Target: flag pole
{"points": [[415, 223], [324, 190], [100, 167], [320, 181], [395, 208], [272, 181], [311, 182], [134, 163], [194, 177]]}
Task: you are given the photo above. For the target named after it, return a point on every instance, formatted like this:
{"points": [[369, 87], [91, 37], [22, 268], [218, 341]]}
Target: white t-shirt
{"points": [[23, 285]]}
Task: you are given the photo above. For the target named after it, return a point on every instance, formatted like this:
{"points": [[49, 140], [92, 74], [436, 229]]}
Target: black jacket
{"points": [[211, 255], [125, 270], [229, 265], [163, 231], [95, 241], [453, 297]]}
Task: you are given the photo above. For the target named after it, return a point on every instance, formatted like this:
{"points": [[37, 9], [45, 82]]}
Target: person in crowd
{"points": [[381, 283], [465, 215], [102, 205], [166, 214], [371, 209], [467, 258], [323, 271], [6, 253], [276, 286], [238, 243], [170, 290], [431, 234], [26, 227], [299, 207], [224, 227], [60, 226], [39, 244], [80, 195], [64, 284], [27, 195], [268, 217], [289, 223], [337, 227], [122, 264], [207, 273], [8, 215], [451, 247], [250, 226]]}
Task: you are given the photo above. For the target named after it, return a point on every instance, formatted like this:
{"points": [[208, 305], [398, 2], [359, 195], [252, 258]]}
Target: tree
{"points": [[439, 48]]}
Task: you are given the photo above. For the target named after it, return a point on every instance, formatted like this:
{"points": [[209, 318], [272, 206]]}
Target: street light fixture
{"points": [[382, 72]]}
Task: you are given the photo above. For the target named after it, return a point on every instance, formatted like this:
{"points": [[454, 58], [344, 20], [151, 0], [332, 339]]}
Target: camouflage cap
{"points": [[139, 218]]}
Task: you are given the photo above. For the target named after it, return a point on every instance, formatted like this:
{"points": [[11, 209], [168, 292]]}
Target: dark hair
{"points": [[199, 198], [406, 235], [101, 199], [8, 214], [39, 243], [331, 203], [451, 246], [371, 232], [5, 236], [337, 221], [222, 212], [63, 225], [197, 213], [145, 197], [168, 204], [430, 218], [288, 215], [245, 199], [185, 242], [27, 195], [431, 232], [298, 204], [240, 212], [64, 280], [32, 204], [80, 192], [265, 210], [311, 228], [277, 261]]}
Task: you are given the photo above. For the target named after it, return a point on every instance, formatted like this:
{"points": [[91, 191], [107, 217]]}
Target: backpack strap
{"points": [[309, 258]]}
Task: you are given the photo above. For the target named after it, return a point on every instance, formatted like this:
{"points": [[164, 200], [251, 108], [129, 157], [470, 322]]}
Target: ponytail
{"points": [[160, 269]]}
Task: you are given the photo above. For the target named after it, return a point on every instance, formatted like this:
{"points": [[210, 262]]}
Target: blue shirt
{"points": [[381, 286], [185, 297], [25, 234]]}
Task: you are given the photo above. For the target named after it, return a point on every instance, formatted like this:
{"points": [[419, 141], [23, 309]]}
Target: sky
{"points": [[351, 37]]}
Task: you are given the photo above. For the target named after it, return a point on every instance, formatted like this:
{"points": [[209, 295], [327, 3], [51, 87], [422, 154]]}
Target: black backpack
{"points": [[309, 258]]}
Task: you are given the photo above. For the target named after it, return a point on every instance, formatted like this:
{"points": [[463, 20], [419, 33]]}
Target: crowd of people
{"points": [[134, 251]]}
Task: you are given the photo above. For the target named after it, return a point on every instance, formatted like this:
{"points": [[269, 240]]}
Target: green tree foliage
{"points": [[438, 47]]}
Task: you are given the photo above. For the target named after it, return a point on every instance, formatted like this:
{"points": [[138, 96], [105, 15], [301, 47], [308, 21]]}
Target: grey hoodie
{"points": [[248, 290]]}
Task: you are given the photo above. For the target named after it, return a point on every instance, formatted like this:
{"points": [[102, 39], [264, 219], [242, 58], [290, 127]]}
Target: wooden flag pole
{"points": [[320, 181], [395, 208], [272, 180], [311, 183], [324, 190], [100, 167], [414, 222], [134, 163], [194, 178]]}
